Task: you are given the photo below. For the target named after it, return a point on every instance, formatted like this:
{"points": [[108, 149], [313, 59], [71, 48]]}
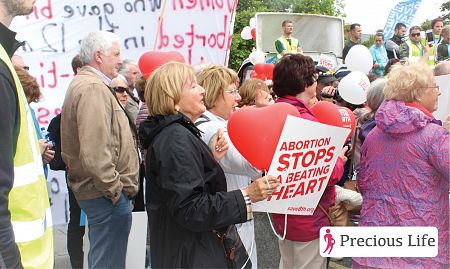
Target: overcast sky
{"points": [[372, 14]]}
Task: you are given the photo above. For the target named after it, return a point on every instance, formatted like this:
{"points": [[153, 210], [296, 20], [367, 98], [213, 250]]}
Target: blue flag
{"points": [[403, 12]]}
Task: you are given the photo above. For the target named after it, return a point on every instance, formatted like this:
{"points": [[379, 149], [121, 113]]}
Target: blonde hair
{"points": [[407, 82], [163, 87], [247, 91], [215, 79]]}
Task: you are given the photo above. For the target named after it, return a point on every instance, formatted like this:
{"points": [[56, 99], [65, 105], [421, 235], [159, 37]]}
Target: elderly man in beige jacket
{"points": [[99, 148]]}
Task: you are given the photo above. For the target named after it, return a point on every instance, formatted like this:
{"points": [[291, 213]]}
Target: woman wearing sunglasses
{"points": [[120, 88]]}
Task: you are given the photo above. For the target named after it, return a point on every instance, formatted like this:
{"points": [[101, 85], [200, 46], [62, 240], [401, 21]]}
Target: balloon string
{"points": [[270, 220], [159, 24], [251, 248]]}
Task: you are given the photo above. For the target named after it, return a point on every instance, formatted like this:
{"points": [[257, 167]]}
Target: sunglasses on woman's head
{"points": [[120, 89]]}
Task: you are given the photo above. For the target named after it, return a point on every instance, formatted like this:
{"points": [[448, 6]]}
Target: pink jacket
{"points": [[306, 228], [404, 179]]}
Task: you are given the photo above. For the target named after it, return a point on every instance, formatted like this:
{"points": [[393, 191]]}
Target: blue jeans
{"points": [[109, 227]]}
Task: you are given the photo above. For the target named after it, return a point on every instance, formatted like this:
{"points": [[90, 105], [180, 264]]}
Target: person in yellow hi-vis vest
{"points": [[286, 43], [416, 50], [26, 239]]}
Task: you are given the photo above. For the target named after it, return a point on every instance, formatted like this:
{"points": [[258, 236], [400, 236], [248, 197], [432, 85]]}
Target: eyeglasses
{"points": [[120, 89], [415, 34], [233, 92], [433, 87]]}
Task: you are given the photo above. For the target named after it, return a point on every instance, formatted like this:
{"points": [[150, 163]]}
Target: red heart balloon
{"points": [[151, 60], [331, 114], [268, 69], [253, 74], [259, 68], [265, 70], [253, 33], [255, 131]]}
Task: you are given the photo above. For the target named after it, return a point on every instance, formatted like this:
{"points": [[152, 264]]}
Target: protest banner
{"points": [[444, 99], [303, 162], [403, 12], [200, 30]]}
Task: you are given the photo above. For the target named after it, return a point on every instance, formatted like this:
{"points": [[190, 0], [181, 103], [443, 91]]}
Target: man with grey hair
{"points": [[26, 238], [442, 68], [100, 152]]}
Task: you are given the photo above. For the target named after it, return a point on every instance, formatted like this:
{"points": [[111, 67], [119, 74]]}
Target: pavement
{"points": [[267, 246], [60, 238]]}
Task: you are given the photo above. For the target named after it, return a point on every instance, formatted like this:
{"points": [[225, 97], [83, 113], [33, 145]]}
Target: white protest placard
{"points": [[444, 99], [326, 61], [303, 162]]}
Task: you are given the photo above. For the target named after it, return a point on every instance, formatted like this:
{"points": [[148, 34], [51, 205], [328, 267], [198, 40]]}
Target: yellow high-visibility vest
{"points": [[290, 48], [28, 200], [416, 52]]}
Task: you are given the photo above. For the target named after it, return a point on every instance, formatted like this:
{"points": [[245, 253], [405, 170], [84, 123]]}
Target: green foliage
{"points": [[323, 7], [445, 9], [426, 25], [279, 5], [368, 43], [240, 49]]}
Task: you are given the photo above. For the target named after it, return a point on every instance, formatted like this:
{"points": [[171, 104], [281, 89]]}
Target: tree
{"points": [[445, 8], [240, 49]]}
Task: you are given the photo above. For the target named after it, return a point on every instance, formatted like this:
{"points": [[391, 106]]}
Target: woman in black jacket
{"points": [[186, 191]]}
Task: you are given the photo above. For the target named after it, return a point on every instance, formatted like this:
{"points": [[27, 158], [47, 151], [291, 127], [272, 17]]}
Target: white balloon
{"points": [[359, 58], [352, 87], [246, 33], [257, 57], [252, 23]]}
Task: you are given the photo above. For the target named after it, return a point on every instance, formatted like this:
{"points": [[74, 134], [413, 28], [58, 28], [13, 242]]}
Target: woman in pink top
{"points": [[295, 81]]}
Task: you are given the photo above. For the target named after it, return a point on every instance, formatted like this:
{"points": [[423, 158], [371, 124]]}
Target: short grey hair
{"points": [[96, 41], [119, 78], [375, 94], [442, 68], [125, 66]]}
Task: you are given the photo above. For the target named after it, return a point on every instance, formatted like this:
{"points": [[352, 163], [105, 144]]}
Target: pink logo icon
{"points": [[328, 237]]}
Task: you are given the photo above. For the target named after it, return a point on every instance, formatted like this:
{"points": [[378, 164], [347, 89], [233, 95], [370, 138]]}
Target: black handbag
{"points": [[235, 252]]}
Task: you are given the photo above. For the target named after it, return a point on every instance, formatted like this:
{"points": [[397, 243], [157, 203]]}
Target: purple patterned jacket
{"points": [[404, 179]]}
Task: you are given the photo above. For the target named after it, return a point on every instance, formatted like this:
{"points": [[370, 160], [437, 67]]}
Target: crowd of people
{"points": [[160, 144], [417, 46]]}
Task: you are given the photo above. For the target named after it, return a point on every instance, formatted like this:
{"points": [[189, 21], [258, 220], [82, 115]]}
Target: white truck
{"points": [[321, 37]]}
